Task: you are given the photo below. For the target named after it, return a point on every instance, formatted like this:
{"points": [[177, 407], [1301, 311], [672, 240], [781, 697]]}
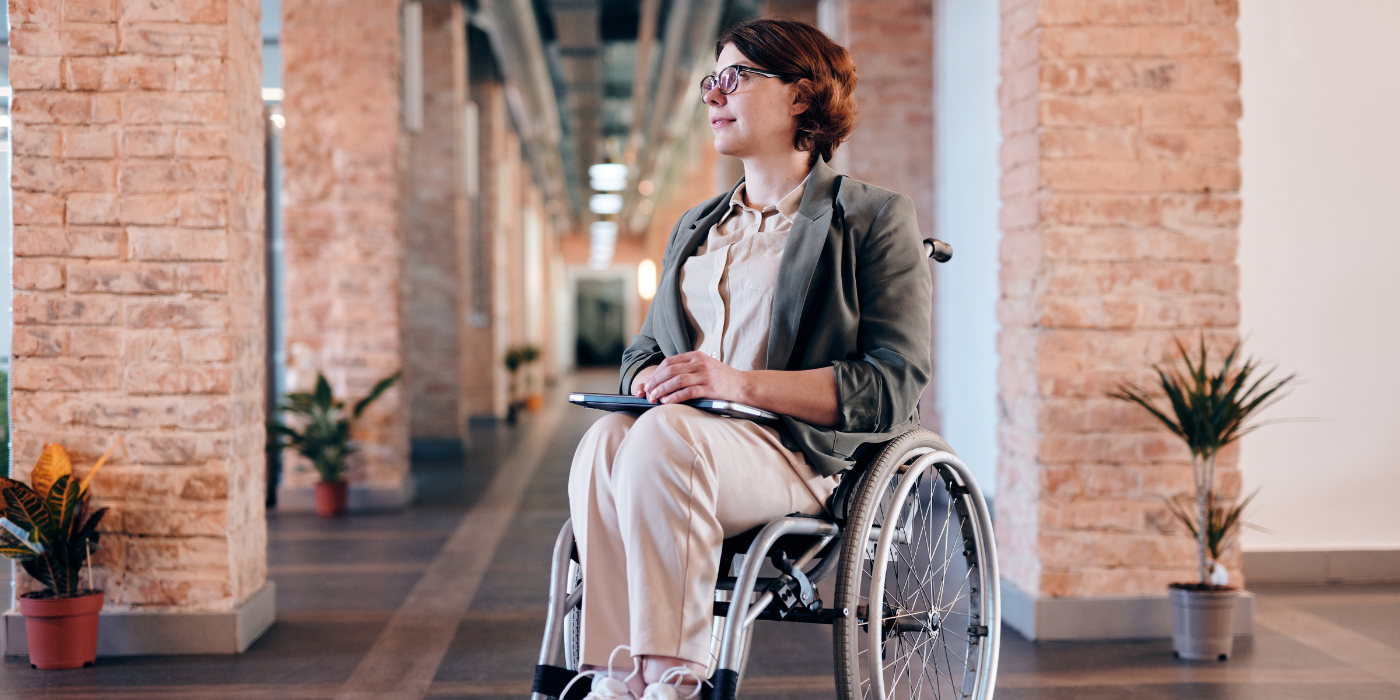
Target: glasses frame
{"points": [[714, 78]]}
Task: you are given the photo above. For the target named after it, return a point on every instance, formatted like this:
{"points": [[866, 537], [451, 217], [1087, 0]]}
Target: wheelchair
{"points": [[915, 610]]}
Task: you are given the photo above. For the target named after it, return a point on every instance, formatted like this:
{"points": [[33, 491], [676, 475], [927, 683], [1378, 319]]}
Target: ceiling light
{"points": [[644, 188], [605, 203], [602, 240], [607, 177]]}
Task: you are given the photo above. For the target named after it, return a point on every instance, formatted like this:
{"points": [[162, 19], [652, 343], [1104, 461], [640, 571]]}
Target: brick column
{"points": [[138, 309], [1120, 179], [436, 222], [343, 151], [892, 44]]}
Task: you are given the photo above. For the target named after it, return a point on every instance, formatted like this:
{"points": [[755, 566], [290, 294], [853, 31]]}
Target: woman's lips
{"points": [[718, 122]]}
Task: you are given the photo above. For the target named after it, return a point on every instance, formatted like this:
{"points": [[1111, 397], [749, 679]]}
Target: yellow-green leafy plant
{"points": [[46, 525], [321, 431], [1209, 409]]}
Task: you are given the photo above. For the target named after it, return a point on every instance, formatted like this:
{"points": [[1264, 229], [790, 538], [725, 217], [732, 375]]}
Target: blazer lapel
{"points": [[677, 325], [804, 248]]}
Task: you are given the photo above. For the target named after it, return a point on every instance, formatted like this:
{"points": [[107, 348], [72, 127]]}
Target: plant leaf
{"points": [[15, 543], [89, 529], [323, 398], [100, 461], [23, 508], [374, 393], [53, 463], [65, 499]]}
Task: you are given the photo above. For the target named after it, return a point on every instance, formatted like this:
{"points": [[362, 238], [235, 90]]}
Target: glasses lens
{"points": [[729, 80], [707, 84]]}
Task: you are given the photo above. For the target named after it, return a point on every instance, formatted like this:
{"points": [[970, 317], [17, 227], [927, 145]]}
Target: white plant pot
{"points": [[1203, 623]]}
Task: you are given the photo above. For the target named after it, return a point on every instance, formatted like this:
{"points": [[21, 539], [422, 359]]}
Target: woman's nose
{"points": [[714, 96]]}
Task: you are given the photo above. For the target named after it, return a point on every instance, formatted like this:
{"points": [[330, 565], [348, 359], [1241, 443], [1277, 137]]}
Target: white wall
{"points": [[967, 181], [1319, 250]]}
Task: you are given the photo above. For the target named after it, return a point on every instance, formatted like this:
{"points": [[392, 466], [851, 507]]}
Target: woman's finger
{"points": [[670, 386]]}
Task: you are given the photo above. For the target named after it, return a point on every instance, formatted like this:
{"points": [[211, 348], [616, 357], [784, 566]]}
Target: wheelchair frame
{"points": [[739, 618]]}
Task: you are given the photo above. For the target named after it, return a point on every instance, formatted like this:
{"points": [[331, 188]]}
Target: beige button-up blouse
{"points": [[727, 286]]}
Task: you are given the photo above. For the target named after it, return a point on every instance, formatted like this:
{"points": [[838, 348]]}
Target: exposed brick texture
{"points": [[343, 150], [1120, 184], [436, 221], [138, 174]]}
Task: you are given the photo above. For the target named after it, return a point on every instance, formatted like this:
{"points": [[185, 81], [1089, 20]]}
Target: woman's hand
{"points": [[639, 380], [692, 375]]}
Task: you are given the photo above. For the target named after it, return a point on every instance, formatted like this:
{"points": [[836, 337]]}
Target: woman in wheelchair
{"points": [[799, 291]]}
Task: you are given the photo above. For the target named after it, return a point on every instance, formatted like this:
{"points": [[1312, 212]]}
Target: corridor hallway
{"points": [[446, 600]]}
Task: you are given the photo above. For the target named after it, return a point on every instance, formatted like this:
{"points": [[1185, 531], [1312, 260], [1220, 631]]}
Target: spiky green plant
{"points": [[324, 433], [1224, 519], [1209, 409], [45, 524]]}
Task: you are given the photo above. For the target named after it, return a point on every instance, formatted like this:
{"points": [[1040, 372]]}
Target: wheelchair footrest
{"points": [[824, 616], [550, 680]]}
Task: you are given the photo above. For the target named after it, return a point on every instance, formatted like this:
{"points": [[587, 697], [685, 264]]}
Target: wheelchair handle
{"points": [[938, 250]]}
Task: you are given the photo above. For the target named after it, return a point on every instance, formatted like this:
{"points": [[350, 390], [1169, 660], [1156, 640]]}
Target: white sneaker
{"points": [[607, 686], [664, 690]]}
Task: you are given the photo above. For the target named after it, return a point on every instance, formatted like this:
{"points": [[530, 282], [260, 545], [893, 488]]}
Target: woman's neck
{"points": [[769, 178]]}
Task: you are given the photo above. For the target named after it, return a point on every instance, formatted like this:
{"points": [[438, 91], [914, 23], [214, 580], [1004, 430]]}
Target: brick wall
{"points": [[1120, 180], [436, 221], [343, 150], [138, 309]]}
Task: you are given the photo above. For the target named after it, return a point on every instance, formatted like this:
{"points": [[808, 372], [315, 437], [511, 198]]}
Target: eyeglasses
{"points": [[728, 79]]}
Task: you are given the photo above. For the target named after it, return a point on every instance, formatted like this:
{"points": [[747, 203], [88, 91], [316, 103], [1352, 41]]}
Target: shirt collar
{"points": [[787, 206]]}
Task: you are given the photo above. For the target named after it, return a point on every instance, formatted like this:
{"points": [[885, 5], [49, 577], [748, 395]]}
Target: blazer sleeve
{"points": [[878, 388]]}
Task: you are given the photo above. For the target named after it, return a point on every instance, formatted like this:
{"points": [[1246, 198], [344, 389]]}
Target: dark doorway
{"points": [[601, 322]]}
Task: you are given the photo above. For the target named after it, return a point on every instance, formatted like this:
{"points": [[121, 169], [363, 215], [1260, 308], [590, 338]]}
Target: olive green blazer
{"points": [[854, 293]]}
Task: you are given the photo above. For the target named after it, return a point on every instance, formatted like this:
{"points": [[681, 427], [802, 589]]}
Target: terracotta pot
{"points": [[1203, 623], [534, 402], [62, 632], [330, 498]]}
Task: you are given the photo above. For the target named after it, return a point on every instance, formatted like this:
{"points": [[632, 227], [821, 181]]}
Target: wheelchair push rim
{"points": [[918, 572]]}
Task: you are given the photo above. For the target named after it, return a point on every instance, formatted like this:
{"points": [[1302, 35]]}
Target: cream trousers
{"points": [[652, 498]]}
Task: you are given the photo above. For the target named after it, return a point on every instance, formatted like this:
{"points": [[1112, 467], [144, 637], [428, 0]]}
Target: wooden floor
{"points": [[446, 600]]}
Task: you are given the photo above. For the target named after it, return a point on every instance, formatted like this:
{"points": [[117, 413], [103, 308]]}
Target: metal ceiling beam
{"points": [[691, 29], [515, 39]]}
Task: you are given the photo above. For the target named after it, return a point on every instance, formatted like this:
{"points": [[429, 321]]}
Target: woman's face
{"points": [[756, 119]]}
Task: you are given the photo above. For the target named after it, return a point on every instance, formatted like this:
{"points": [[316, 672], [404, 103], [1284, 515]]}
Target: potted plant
{"points": [[46, 526], [1209, 409], [323, 436], [518, 358], [534, 400]]}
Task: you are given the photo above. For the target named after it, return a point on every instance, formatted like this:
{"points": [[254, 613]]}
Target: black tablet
{"points": [[635, 404]]}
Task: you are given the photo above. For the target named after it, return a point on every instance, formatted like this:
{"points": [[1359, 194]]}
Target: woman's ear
{"points": [[799, 99]]}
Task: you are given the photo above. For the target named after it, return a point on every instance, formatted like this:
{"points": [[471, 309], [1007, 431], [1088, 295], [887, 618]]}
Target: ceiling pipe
{"points": [[529, 90], [641, 78], [691, 29]]}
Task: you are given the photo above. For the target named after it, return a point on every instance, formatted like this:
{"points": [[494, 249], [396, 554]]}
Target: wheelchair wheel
{"points": [[918, 575]]}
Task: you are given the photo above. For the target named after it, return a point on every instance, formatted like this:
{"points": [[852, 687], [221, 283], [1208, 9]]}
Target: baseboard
{"points": [[1323, 566], [143, 632], [361, 498], [1108, 617]]}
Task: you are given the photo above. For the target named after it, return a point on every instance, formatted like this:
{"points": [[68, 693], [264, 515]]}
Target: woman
{"points": [[800, 292]]}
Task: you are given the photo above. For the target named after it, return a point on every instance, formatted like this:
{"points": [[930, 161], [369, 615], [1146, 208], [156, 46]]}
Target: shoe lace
{"points": [[664, 689], [610, 688]]}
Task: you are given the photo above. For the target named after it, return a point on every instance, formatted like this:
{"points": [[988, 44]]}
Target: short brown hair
{"points": [[824, 73]]}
